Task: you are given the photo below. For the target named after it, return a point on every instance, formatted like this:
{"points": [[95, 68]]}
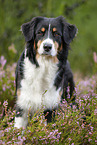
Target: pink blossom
{"points": [[5, 103], [2, 61]]}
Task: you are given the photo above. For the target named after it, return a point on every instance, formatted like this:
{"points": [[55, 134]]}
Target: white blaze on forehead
{"points": [[49, 30]]}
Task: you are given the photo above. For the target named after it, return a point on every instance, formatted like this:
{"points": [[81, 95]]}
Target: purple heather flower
{"points": [[2, 61], [53, 124], [18, 112], [46, 142], [91, 128], [9, 142], [89, 139], [95, 111], [51, 133], [5, 103], [19, 137], [69, 139], [4, 88], [95, 140], [58, 135], [90, 133], [1, 133]]}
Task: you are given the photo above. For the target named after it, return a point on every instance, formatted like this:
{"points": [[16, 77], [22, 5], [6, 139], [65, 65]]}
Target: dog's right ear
{"points": [[28, 28]]}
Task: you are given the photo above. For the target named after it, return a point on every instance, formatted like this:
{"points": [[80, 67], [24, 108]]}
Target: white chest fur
{"points": [[37, 87]]}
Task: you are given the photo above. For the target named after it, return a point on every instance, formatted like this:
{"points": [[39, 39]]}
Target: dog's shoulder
{"points": [[19, 72]]}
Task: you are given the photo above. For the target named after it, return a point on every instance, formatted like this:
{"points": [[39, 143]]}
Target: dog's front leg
{"points": [[21, 119], [49, 115]]}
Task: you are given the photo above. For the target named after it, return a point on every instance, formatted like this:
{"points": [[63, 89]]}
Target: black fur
{"points": [[64, 77]]}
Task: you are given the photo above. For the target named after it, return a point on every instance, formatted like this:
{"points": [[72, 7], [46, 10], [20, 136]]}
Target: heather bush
{"points": [[7, 76], [71, 126]]}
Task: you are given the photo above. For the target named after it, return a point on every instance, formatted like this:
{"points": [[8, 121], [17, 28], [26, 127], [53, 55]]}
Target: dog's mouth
{"points": [[46, 53]]}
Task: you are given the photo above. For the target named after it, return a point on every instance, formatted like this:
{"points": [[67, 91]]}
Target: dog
{"points": [[43, 72]]}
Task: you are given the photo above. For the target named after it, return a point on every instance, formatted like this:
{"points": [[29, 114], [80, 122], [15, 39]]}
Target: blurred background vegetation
{"points": [[82, 13]]}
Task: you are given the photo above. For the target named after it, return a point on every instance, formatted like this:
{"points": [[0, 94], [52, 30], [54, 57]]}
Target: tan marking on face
{"points": [[43, 29], [39, 43], [56, 45], [54, 29], [61, 47]]}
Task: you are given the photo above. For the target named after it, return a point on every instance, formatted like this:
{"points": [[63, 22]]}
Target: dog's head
{"points": [[49, 35]]}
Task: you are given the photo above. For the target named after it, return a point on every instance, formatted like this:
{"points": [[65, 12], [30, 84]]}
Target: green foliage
{"points": [[85, 43], [82, 13], [69, 126]]}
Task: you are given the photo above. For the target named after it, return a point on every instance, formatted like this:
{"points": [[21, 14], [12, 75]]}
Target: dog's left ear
{"points": [[28, 28], [69, 32]]}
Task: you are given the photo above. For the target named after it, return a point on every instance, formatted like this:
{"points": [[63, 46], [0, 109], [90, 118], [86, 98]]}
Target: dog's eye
{"points": [[56, 34], [41, 33]]}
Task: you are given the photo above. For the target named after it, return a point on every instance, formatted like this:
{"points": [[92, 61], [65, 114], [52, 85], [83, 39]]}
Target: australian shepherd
{"points": [[43, 72]]}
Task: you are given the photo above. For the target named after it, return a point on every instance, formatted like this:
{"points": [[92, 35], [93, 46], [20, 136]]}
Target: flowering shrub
{"points": [[7, 81], [71, 126]]}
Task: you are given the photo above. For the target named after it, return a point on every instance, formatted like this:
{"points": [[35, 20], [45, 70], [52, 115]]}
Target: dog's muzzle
{"points": [[47, 47]]}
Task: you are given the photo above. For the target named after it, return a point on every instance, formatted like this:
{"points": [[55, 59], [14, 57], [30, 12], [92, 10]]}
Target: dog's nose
{"points": [[47, 47]]}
